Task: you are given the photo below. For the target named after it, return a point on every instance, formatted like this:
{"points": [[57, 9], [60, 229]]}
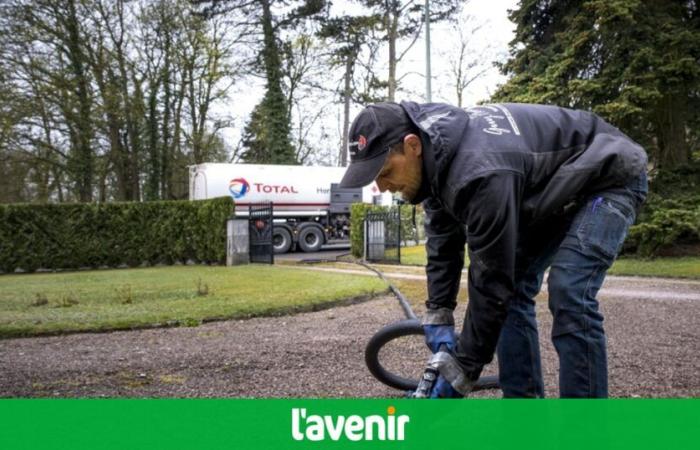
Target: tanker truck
{"points": [[309, 209]]}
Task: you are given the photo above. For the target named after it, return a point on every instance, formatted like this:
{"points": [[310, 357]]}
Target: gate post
{"points": [[398, 244], [365, 241], [260, 232], [383, 237], [375, 237], [237, 251]]}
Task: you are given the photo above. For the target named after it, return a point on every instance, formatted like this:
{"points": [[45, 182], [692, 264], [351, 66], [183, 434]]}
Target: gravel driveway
{"points": [[653, 343]]}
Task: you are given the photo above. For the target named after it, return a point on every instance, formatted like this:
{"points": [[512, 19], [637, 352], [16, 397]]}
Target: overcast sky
{"points": [[490, 40], [489, 43]]}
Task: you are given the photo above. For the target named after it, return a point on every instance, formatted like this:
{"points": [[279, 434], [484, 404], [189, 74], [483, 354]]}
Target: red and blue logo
{"points": [[238, 187]]}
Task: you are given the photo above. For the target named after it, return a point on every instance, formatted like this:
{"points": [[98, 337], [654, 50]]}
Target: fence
{"points": [[383, 236], [260, 233]]}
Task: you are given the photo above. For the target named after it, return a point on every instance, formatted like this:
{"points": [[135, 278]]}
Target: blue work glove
{"points": [[437, 335], [439, 327], [452, 382], [443, 389], [443, 378]]}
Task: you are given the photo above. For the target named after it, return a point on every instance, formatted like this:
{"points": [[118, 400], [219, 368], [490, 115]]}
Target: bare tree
{"points": [[351, 35], [467, 61], [305, 71], [109, 99], [207, 76], [43, 45], [401, 20]]}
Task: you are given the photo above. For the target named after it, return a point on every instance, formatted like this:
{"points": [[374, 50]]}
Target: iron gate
{"points": [[260, 233], [383, 236]]}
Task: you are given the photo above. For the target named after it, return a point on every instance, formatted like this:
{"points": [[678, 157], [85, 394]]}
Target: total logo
{"points": [[355, 428], [239, 187]]}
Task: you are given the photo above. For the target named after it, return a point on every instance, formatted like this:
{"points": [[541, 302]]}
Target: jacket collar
{"points": [[441, 128], [425, 187]]}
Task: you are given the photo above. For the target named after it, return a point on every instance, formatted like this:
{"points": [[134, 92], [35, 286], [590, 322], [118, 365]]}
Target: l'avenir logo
{"points": [[238, 187], [313, 427]]}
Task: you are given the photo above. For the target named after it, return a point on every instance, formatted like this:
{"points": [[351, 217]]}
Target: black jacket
{"points": [[499, 169]]}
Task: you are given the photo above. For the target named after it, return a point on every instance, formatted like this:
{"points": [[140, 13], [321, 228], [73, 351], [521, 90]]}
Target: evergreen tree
{"points": [[636, 63], [266, 137], [268, 141]]}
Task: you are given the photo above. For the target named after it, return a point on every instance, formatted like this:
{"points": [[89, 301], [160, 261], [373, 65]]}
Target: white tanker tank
{"points": [[309, 209]]}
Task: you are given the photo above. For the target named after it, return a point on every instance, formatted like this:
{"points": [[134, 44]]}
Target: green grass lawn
{"points": [[685, 267], [413, 256], [34, 304]]}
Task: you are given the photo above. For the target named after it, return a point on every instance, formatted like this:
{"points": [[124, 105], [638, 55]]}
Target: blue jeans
{"points": [[579, 250]]}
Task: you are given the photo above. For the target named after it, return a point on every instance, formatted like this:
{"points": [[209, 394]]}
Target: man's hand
{"points": [[439, 328], [452, 382], [437, 335], [443, 389]]}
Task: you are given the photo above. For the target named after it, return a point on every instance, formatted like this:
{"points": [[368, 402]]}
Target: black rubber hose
{"points": [[405, 305], [408, 327], [403, 302]]}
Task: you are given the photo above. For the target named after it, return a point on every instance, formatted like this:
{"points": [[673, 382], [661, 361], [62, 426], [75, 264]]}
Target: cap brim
{"points": [[362, 173]]}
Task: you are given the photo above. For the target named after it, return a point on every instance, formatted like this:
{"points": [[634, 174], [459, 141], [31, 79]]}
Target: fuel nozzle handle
{"points": [[430, 376]]}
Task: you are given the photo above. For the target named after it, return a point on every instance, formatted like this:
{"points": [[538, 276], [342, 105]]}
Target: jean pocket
{"points": [[604, 228]]}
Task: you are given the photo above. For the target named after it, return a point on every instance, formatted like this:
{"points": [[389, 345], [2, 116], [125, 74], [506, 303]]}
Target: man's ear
{"points": [[412, 143]]}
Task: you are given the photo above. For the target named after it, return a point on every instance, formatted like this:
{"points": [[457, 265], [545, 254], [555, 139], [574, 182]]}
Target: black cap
{"points": [[375, 130]]}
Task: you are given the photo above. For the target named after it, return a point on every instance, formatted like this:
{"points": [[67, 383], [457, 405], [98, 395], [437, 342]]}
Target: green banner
{"points": [[302, 423]]}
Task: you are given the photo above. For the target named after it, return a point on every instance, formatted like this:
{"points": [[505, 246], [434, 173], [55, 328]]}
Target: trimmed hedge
{"points": [[358, 213], [71, 236]]}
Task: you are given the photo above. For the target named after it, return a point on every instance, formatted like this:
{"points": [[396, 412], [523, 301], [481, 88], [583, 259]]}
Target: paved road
{"points": [[615, 286], [328, 254]]}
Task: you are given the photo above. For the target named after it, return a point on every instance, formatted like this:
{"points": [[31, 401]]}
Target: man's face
{"points": [[402, 172]]}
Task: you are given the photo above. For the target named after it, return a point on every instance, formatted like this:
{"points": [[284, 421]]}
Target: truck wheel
{"points": [[281, 240], [311, 239]]}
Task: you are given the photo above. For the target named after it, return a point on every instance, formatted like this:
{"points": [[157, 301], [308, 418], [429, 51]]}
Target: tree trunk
{"points": [[112, 116], [274, 103], [43, 190], [174, 148], [671, 132], [83, 159], [347, 92], [392, 23], [167, 152], [152, 187]]}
